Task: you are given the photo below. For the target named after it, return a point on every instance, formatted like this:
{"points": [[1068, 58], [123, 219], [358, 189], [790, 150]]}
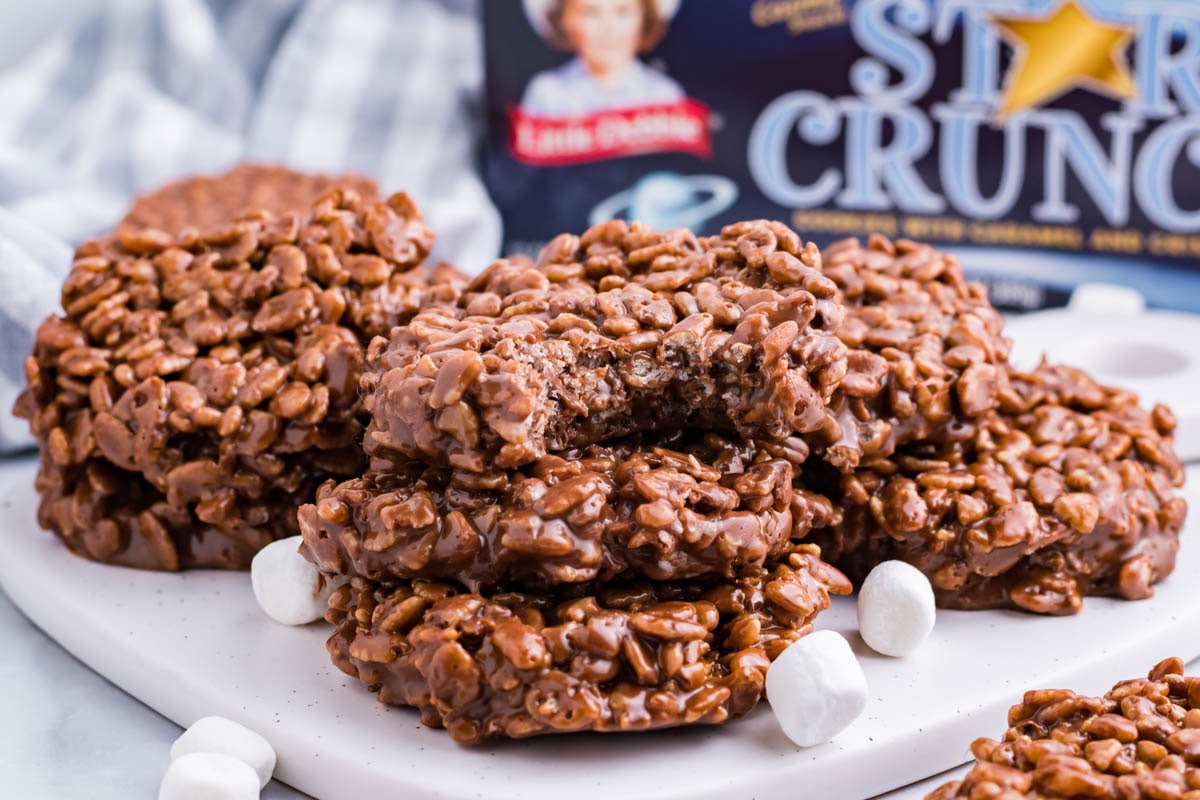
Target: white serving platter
{"points": [[195, 644]]}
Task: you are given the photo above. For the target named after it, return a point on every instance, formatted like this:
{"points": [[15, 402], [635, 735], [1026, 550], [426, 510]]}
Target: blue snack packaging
{"points": [[1045, 142]]}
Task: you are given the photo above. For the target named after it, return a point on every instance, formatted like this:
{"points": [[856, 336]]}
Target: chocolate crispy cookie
{"points": [[926, 350], [208, 201], [198, 384], [1066, 489], [692, 507], [1140, 740], [621, 330], [625, 658]]}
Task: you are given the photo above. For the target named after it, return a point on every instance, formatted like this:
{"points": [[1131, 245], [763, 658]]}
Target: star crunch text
{"points": [[926, 159]]}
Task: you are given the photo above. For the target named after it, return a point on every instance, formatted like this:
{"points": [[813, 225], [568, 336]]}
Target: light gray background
{"points": [[28, 22]]}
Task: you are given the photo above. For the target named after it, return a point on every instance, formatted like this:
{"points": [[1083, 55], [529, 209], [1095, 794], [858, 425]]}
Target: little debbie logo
{"points": [[1141, 60], [680, 127]]}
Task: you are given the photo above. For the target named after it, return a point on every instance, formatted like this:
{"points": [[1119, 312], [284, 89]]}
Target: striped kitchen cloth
{"points": [[145, 91]]}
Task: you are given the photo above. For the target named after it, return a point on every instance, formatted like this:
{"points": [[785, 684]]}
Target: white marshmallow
{"points": [[895, 608], [816, 688], [220, 735], [286, 586], [208, 776]]}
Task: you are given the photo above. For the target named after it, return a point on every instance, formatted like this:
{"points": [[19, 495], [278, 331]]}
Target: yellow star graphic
{"points": [[1065, 50]]}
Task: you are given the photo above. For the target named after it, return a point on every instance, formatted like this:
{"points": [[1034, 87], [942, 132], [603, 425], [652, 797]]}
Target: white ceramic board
{"points": [[195, 644], [921, 789]]}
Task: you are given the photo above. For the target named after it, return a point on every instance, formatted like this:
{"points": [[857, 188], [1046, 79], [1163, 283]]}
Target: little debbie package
{"points": [[1047, 142]]}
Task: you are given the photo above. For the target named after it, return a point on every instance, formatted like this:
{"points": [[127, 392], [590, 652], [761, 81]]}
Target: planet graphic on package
{"points": [[669, 200]]}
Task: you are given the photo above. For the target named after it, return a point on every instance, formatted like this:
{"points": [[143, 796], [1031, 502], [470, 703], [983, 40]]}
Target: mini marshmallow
{"points": [[895, 608], [220, 735], [208, 776], [816, 688], [287, 587]]}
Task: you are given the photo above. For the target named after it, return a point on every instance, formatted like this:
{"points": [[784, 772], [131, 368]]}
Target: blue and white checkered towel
{"points": [[145, 91]]}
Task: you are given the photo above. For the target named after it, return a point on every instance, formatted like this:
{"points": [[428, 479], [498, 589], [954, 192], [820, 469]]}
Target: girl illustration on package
{"points": [[605, 74]]}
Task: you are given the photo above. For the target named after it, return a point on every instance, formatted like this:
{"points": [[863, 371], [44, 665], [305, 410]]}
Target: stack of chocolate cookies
{"points": [[639, 418], [581, 504], [599, 490]]}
